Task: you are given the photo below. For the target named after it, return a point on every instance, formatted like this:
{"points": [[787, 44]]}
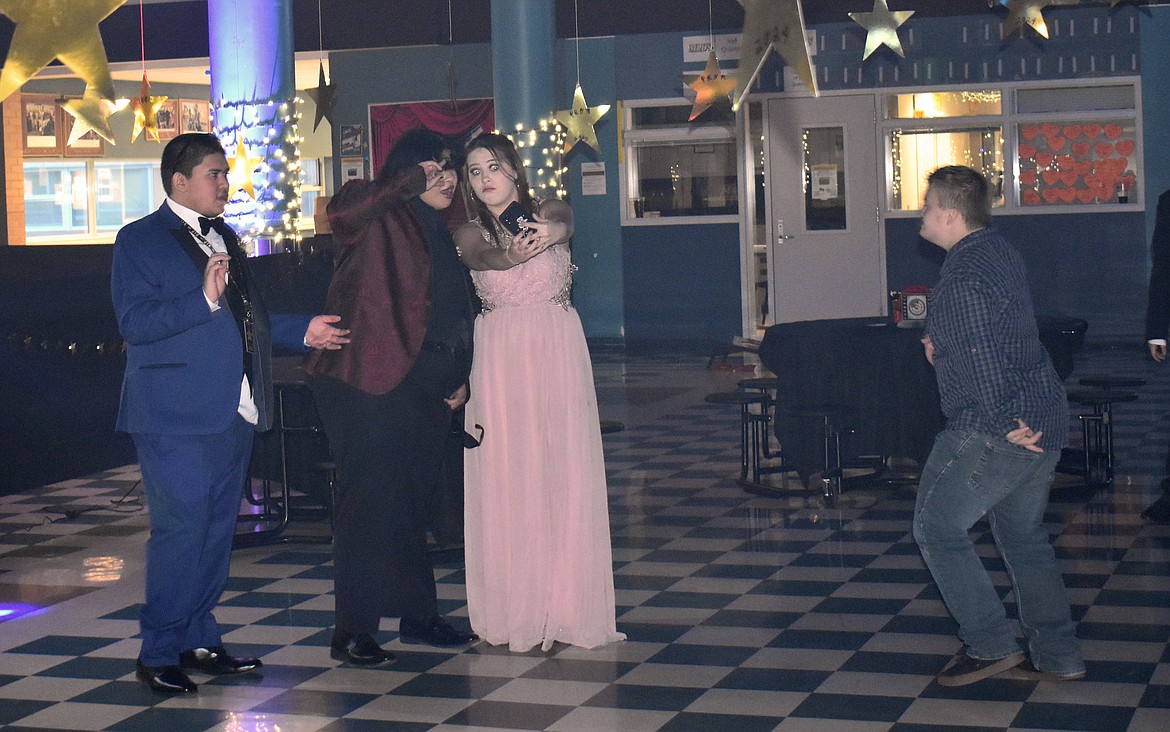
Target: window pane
{"points": [[929, 105], [310, 172], [1078, 162], [56, 199], [917, 153], [125, 192], [308, 207], [676, 115], [686, 179], [1069, 99], [824, 178], [757, 143]]}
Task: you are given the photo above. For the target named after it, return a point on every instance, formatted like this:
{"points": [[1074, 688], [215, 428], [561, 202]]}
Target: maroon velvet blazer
{"points": [[381, 283]]}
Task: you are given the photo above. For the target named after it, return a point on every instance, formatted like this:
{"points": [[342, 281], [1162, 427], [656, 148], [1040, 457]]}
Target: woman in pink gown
{"points": [[539, 563]]}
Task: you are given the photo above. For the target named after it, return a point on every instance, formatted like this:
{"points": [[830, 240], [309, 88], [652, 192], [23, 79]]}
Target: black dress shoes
{"points": [[360, 649], [433, 632], [216, 661], [164, 679]]}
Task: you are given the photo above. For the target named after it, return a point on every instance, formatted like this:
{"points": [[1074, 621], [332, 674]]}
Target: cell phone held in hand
{"points": [[514, 218]]}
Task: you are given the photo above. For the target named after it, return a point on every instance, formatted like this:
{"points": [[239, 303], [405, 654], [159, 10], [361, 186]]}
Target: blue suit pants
{"points": [[193, 485]]}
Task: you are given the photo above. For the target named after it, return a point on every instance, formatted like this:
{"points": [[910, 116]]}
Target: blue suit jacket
{"points": [[184, 362]]}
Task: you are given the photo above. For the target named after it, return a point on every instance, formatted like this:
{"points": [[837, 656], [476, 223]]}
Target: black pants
{"points": [[388, 450]]}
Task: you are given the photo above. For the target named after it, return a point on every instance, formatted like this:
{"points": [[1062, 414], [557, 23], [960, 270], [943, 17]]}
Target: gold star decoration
{"points": [[323, 97], [769, 24], [881, 27], [710, 86], [1028, 11], [241, 168], [578, 121], [145, 108], [57, 29], [92, 112]]}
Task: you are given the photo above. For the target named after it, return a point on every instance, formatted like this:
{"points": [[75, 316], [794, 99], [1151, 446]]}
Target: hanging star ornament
{"points": [[710, 86], [92, 112], [145, 110], [323, 96], [767, 25], [1021, 12], [241, 168], [578, 121], [57, 29], [881, 27]]}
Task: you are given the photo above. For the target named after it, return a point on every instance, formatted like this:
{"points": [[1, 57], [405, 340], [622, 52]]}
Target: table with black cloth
{"points": [[876, 370]]}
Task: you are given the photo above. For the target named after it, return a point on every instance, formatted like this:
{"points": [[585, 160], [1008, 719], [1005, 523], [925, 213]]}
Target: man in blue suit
{"points": [[198, 384]]}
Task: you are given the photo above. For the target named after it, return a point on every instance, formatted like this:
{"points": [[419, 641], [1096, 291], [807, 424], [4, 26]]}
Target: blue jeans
{"points": [[970, 474]]}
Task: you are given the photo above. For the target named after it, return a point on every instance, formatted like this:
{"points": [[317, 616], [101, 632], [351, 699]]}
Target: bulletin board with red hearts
{"points": [[1077, 163]]}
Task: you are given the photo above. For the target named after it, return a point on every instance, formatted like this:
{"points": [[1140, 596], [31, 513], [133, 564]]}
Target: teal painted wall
{"points": [[598, 294], [1155, 53], [682, 283]]}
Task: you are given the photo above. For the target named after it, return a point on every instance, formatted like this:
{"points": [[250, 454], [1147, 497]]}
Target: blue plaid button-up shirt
{"points": [[988, 359]]}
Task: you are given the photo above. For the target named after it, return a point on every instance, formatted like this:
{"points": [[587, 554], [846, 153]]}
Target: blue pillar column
{"points": [[524, 75], [253, 98]]}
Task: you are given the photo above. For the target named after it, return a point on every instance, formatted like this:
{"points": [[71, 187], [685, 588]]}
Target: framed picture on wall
{"points": [[41, 125], [352, 139], [167, 118], [352, 169], [194, 116], [88, 145]]}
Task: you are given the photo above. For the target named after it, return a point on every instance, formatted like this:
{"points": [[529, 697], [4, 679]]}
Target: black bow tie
{"points": [[206, 225]]}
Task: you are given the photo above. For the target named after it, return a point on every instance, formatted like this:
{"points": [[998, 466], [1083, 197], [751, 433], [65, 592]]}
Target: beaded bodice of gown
{"points": [[547, 277]]}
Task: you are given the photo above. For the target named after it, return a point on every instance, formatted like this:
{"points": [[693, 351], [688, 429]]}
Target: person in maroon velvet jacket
{"points": [[387, 399]]}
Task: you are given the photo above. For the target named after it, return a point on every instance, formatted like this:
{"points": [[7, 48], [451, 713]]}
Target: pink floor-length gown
{"points": [[538, 556]]}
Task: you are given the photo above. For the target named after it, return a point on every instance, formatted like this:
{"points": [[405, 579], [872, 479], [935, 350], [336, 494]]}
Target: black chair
{"points": [[292, 472], [768, 386], [1097, 432], [832, 418], [1109, 383], [752, 426], [1063, 337]]}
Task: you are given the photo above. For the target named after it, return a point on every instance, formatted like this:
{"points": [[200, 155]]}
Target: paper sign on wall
{"points": [[824, 182], [695, 48], [592, 179]]}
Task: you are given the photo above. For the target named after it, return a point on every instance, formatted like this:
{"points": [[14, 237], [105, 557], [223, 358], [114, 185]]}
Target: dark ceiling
{"points": [[349, 24]]}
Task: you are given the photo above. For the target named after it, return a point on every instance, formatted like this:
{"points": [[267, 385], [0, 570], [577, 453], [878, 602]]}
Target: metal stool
{"points": [[832, 417], [1097, 430], [768, 386], [750, 426]]}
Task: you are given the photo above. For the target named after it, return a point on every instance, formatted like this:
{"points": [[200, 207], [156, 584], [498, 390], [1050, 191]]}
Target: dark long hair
{"points": [[415, 146], [503, 150]]}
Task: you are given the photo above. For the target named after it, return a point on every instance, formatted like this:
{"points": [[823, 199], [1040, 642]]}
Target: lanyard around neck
{"points": [[203, 240]]}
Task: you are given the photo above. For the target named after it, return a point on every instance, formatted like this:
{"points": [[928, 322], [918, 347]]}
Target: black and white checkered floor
{"points": [[743, 612]]}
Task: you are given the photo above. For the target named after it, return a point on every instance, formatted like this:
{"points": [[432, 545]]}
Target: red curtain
{"points": [[461, 122]]}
